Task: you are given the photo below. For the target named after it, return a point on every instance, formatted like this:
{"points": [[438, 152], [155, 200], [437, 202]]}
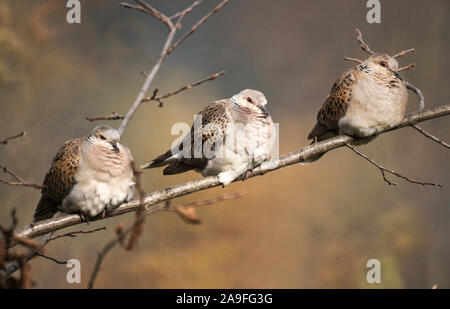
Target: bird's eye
{"points": [[383, 64], [249, 100], [102, 137]]}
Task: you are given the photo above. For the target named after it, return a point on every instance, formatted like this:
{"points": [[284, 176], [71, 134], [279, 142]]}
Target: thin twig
{"points": [[159, 98], [27, 256], [187, 10], [51, 259], [430, 136], [19, 180], [407, 67], [147, 82], [383, 170], [201, 21], [139, 220], [418, 93], [404, 52], [354, 60], [363, 45], [6, 140], [113, 116], [75, 233], [147, 8]]}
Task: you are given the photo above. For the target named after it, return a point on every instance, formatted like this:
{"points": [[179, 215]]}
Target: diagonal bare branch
{"points": [[19, 180], [384, 170], [154, 97], [201, 21], [166, 50], [361, 42], [430, 136], [6, 140]]}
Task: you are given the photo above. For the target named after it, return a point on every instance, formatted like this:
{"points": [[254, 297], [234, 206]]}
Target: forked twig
{"points": [[201, 21], [19, 180], [154, 97], [363, 45], [383, 170]]}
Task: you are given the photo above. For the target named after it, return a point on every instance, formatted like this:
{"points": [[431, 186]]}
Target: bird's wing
{"points": [[335, 106], [214, 120], [60, 179]]}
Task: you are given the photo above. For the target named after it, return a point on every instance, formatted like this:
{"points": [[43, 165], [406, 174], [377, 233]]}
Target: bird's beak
{"points": [[114, 147], [264, 110], [397, 75], [234, 100]]}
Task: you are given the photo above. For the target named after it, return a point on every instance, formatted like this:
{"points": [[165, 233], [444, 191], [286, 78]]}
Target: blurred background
{"points": [[311, 226]]}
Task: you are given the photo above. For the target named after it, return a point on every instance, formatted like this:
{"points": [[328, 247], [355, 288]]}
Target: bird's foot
{"points": [[84, 218], [103, 214], [247, 174]]}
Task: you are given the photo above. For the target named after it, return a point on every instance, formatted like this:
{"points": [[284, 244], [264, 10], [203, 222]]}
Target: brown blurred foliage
{"points": [[300, 227]]}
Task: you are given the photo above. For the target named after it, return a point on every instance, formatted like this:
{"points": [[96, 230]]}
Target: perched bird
{"points": [[89, 175], [363, 101], [229, 137]]}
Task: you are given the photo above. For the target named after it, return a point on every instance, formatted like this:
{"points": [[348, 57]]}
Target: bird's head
{"points": [[382, 63], [105, 136], [252, 100]]}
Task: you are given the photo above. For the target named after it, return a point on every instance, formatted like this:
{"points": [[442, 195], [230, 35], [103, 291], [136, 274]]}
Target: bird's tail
{"points": [[319, 133], [45, 209], [161, 160]]}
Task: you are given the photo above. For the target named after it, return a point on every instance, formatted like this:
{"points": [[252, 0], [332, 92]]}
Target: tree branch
{"points": [[201, 21], [167, 48], [113, 116], [430, 136], [152, 200], [154, 97], [361, 42], [417, 92], [20, 180], [6, 140], [383, 171]]}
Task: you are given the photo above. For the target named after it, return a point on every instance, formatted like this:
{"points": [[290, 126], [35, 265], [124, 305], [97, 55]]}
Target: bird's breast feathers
{"points": [[374, 106], [104, 180]]}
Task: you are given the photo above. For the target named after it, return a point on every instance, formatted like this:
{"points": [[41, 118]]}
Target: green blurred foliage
{"points": [[300, 227]]}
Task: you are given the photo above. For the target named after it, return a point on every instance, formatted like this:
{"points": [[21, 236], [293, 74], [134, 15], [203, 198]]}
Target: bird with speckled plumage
{"points": [[89, 175], [229, 138], [362, 102]]}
